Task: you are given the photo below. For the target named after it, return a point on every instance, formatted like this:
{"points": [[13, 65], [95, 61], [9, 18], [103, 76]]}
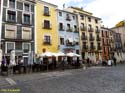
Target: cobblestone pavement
{"points": [[91, 80]]}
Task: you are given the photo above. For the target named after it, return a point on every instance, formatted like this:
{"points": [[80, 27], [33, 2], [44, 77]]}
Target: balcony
{"points": [[69, 30], [90, 29], [91, 38], [47, 26], [83, 28], [92, 47], [107, 36], [47, 42], [119, 47], [85, 47], [76, 30], [84, 37], [98, 39], [61, 29], [70, 44], [68, 18], [106, 44], [97, 31], [112, 49], [112, 41], [99, 48], [11, 21], [46, 13]]}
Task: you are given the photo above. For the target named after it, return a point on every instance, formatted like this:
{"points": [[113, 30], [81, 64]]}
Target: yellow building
{"points": [[89, 29], [46, 27]]}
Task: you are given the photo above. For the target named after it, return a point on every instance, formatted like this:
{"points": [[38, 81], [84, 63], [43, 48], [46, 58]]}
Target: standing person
{"points": [[114, 59], [88, 61], [63, 63]]}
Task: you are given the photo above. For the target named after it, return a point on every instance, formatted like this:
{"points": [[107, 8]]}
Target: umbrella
{"points": [[0, 57], [72, 54], [12, 58], [46, 54], [30, 58], [61, 54]]}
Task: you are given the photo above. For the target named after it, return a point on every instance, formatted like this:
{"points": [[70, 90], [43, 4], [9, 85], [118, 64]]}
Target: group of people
{"points": [[109, 62], [106, 62]]}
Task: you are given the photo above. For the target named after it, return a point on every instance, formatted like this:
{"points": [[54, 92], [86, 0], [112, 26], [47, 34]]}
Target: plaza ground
{"points": [[92, 80]]}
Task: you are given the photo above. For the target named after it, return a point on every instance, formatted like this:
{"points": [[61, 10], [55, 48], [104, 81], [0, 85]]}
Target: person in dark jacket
{"points": [[88, 61], [114, 59]]}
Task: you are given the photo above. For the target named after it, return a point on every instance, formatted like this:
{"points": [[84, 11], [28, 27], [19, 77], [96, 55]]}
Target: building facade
{"points": [[118, 47], [121, 30], [18, 28], [1, 5], [89, 28], [68, 32], [105, 34], [46, 27]]}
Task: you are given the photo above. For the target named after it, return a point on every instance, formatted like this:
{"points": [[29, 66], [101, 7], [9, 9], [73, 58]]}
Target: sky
{"points": [[110, 11]]}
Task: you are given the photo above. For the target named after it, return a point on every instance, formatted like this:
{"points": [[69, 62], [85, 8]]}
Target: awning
{"points": [[11, 27], [70, 39], [26, 29], [76, 40]]}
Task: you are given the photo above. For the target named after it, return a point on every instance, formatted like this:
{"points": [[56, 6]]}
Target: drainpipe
{"points": [[1, 12]]}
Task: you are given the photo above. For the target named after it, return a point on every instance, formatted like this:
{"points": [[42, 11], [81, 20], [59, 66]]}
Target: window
{"points": [[90, 27], [60, 13], [102, 33], [68, 27], [103, 41], [83, 27], [47, 24], [10, 46], [26, 33], [104, 49], [26, 47], [46, 11], [82, 17], [62, 41], [77, 51], [110, 33], [68, 17], [99, 47], [84, 44], [47, 39], [90, 35], [91, 45], [73, 17], [61, 26], [83, 34], [75, 27], [76, 41], [98, 44], [26, 19], [12, 3], [89, 19], [106, 34], [27, 7], [97, 28], [11, 16], [10, 31], [96, 21]]}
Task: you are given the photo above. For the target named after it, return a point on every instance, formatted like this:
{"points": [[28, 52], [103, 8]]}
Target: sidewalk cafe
{"points": [[36, 63]]}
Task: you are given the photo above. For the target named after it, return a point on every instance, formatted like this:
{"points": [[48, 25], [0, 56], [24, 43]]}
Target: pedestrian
{"points": [[63, 63], [109, 62], [114, 59], [88, 61]]}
